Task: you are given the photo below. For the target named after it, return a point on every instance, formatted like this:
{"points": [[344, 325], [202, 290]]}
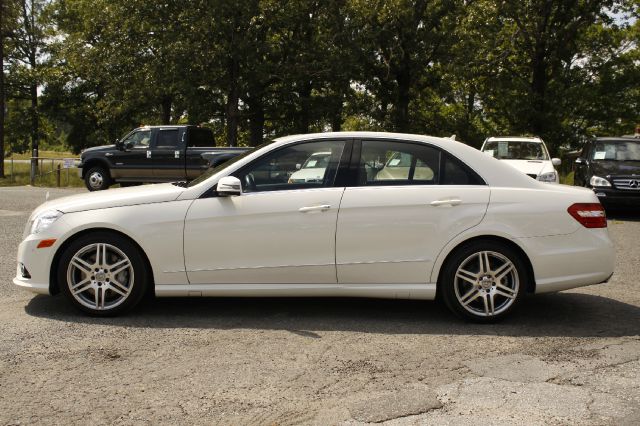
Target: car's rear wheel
{"points": [[102, 274], [483, 281], [97, 178]]}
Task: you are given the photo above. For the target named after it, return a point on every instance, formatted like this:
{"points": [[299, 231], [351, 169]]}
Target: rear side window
{"points": [[200, 137], [400, 163], [167, 138]]}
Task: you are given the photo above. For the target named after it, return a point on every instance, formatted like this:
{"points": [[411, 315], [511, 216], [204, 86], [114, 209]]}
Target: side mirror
{"points": [[228, 186], [118, 145], [128, 146], [580, 161], [556, 161]]}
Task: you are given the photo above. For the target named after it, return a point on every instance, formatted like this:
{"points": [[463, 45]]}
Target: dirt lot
{"points": [[572, 357]]}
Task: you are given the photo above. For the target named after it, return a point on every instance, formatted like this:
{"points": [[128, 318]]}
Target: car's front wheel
{"points": [[483, 281], [102, 274]]}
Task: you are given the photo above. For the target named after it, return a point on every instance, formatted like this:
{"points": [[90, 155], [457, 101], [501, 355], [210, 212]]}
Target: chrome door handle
{"points": [[449, 202], [321, 207]]}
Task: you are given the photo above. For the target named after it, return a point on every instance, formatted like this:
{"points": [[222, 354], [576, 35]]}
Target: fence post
{"points": [[32, 174], [58, 176], [11, 178]]}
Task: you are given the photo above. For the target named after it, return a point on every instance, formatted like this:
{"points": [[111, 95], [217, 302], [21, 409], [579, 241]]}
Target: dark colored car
{"points": [[153, 154], [611, 167]]}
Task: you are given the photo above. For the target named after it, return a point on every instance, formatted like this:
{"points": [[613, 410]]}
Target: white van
{"points": [[529, 155]]}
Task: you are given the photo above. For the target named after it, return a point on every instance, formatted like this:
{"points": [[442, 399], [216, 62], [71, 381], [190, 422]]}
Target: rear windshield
{"points": [[516, 150], [616, 151]]}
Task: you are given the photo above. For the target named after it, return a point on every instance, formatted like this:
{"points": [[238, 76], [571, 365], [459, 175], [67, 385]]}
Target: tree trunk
{"points": [[256, 119], [233, 98], [166, 109], [303, 121], [401, 118], [336, 114], [2, 106]]}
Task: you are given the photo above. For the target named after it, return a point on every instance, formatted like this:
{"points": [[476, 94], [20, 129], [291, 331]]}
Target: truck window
{"points": [[139, 139], [167, 138], [200, 137]]}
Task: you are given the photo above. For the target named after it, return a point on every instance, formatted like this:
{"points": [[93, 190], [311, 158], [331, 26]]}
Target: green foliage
{"points": [[264, 68]]}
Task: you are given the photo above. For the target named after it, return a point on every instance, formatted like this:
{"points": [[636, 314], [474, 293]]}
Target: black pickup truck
{"points": [[153, 154]]}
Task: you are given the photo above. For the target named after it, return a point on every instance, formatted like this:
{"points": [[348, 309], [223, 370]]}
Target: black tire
{"points": [[492, 297], [117, 291], [97, 178]]}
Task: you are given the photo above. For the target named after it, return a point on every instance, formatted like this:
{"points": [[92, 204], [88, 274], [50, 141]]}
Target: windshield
{"points": [[616, 151], [213, 170], [516, 150], [317, 161]]}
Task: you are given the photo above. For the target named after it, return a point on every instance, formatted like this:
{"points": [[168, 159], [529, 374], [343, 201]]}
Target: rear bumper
{"points": [[562, 262]]}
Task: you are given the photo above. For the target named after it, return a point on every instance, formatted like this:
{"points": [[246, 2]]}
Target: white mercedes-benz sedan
{"points": [[392, 216]]}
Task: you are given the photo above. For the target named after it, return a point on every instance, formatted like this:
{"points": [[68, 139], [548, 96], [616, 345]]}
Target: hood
{"points": [[615, 168], [530, 167], [99, 148], [117, 197]]}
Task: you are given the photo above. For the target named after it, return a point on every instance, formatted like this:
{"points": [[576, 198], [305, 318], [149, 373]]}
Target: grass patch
{"points": [[43, 154], [567, 179], [47, 177]]}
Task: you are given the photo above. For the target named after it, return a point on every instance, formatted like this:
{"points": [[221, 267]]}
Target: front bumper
{"points": [[612, 197], [37, 262]]}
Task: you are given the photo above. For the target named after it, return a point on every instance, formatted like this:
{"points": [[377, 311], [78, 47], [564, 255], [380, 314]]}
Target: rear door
{"points": [[410, 199], [168, 153], [197, 140]]}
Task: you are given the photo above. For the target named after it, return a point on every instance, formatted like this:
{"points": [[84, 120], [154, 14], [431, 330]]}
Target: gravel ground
{"points": [[571, 357]]}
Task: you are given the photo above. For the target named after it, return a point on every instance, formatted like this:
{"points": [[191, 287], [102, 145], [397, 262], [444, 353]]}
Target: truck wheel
{"points": [[97, 178]]}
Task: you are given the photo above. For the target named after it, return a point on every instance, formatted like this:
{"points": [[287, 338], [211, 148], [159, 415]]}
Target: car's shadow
{"points": [[563, 314]]}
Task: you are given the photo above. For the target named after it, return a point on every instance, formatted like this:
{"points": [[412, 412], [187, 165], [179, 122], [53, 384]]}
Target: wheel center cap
{"points": [[101, 276], [486, 283]]}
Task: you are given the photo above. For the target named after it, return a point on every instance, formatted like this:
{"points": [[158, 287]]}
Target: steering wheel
{"points": [[249, 182]]}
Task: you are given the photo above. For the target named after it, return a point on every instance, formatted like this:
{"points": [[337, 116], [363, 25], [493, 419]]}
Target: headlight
{"points": [[43, 220], [598, 181], [547, 177]]}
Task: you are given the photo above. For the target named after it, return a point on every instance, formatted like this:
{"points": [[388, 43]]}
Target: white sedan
{"points": [[451, 222]]}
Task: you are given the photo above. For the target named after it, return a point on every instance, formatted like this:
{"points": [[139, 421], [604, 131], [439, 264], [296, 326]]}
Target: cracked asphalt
{"points": [[571, 357]]}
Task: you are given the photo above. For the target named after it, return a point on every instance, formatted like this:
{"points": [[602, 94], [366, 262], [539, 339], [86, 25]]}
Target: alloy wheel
{"points": [[100, 276], [486, 283]]}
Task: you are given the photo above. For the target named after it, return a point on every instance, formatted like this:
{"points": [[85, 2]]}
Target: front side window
{"points": [[399, 163], [299, 166], [138, 139]]}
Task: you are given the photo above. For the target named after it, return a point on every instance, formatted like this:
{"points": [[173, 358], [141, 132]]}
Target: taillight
{"points": [[590, 215]]}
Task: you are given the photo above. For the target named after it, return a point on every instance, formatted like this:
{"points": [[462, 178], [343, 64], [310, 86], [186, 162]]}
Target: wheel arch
{"points": [[53, 280], [531, 285], [92, 162]]}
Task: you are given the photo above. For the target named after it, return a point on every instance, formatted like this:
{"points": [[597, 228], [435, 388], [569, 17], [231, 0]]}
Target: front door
{"points": [[410, 200], [133, 161], [280, 230]]}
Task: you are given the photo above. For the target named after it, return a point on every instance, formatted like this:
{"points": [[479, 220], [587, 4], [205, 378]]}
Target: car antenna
{"points": [[452, 137]]}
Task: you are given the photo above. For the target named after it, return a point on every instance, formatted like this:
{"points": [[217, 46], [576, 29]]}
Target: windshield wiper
{"points": [[180, 183]]}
